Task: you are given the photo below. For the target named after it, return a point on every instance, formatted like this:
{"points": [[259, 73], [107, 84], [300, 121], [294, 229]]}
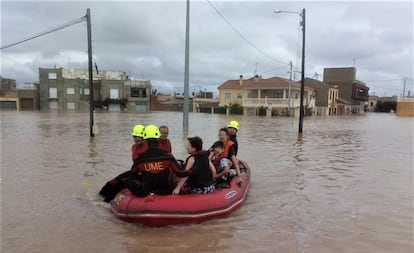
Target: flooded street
{"points": [[347, 186]]}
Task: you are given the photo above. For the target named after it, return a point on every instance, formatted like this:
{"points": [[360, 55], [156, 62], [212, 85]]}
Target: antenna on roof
{"points": [[255, 69]]}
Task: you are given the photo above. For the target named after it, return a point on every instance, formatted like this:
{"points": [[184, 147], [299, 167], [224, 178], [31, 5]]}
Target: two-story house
{"points": [[278, 94]]}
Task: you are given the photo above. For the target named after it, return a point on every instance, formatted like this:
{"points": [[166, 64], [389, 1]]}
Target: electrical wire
{"points": [[78, 20], [241, 35]]}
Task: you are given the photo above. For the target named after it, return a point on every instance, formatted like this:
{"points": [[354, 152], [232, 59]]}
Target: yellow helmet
{"points": [[233, 124], [151, 131], [138, 131]]}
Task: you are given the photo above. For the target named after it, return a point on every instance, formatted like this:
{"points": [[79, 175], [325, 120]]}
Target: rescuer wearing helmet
{"points": [[233, 127], [155, 166], [139, 146]]}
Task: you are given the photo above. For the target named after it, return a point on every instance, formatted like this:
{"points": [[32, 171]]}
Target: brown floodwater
{"points": [[346, 186]]}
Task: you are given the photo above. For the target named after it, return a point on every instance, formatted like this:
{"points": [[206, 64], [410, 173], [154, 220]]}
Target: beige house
{"points": [[326, 97], [277, 95]]}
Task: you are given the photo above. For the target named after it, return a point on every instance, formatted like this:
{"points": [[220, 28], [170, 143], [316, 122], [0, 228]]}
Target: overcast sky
{"points": [[146, 39]]}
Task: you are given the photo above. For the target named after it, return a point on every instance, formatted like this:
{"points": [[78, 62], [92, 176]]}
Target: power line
{"points": [[389, 80], [274, 69], [46, 32], [241, 35]]}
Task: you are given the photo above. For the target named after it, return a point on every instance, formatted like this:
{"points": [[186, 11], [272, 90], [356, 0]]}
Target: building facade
{"points": [[279, 95], [8, 94], [326, 97], [61, 89], [350, 89]]}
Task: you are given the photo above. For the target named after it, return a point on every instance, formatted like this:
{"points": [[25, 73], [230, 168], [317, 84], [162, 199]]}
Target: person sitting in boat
{"points": [[139, 146], [163, 142], [201, 179], [222, 164], [155, 166], [115, 185], [233, 128], [228, 151]]}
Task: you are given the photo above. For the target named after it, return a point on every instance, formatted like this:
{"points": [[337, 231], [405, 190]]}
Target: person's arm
{"points": [[179, 185], [236, 164], [212, 168], [188, 166]]}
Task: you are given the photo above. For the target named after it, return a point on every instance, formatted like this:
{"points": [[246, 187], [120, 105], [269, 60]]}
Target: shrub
{"points": [[236, 109]]}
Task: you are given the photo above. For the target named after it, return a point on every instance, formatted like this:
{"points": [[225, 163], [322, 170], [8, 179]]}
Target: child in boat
{"points": [[221, 163], [202, 171], [228, 151]]}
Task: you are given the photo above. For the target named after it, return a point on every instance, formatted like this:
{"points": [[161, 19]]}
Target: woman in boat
{"points": [[228, 150], [202, 171]]}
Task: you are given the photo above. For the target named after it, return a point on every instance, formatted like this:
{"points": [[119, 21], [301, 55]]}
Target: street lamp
{"points": [[302, 82]]}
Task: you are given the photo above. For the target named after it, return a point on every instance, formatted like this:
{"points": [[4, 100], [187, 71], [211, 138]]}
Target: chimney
{"points": [[241, 80], [256, 78]]}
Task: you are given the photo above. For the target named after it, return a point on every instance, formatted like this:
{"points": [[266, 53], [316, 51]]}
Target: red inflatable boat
{"points": [[157, 210]]}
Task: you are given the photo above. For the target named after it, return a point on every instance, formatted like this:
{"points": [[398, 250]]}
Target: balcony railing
{"points": [[270, 102]]}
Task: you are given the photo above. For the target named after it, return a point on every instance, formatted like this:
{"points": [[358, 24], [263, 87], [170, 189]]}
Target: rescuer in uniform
{"points": [[155, 166]]}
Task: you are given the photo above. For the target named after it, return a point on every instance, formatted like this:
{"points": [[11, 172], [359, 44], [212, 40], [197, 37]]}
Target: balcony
{"points": [[270, 102]]}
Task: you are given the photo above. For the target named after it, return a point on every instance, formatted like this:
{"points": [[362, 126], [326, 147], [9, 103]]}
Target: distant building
{"points": [[61, 89], [372, 103], [326, 97], [350, 89], [29, 97], [279, 95], [8, 94]]}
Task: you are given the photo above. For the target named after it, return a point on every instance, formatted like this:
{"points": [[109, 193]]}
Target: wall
{"points": [[405, 108]]}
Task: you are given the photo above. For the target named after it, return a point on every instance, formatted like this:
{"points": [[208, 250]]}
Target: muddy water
{"points": [[346, 186]]}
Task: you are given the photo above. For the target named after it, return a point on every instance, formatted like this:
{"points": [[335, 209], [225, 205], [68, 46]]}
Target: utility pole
{"points": [[302, 83], [405, 80], [290, 89], [91, 102], [186, 69]]}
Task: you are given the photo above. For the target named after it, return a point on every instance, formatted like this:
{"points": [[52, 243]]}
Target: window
{"points": [[138, 92], [239, 96], [277, 94], [297, 96], [113, 93], [227, 96], [53, 105], [70, 106], [52, 92], [70, 91], [86, 91], [52, 76], [249, 95], [80, 91]]}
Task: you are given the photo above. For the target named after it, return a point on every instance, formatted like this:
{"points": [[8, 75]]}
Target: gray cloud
{"points": [[146, 40]]}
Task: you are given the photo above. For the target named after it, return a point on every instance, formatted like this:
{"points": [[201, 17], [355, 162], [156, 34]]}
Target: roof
{"points": [[343, 101], [319, 84], [260, 83]]}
